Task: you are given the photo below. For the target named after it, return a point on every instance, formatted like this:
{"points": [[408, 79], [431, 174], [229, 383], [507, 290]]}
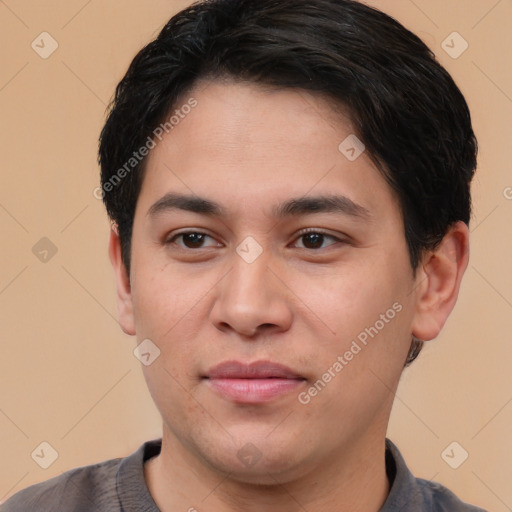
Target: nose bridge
{"points": [[250, 295], [250, 277]]}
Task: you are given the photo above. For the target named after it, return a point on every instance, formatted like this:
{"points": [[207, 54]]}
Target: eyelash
{"points": [[300, 234]]}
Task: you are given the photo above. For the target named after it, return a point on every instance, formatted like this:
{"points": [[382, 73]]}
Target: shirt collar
{"points": [[132, 490], [405, 492], [134, 496]]}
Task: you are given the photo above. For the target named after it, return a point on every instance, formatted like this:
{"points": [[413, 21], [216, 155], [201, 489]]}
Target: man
{"points": [[289, 188]]}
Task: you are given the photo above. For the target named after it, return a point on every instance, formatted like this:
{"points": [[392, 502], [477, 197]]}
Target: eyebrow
{"points": [[292, 207]]}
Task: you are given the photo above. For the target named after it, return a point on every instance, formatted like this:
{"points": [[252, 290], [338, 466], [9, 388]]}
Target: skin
{"points": [[301, 303]]}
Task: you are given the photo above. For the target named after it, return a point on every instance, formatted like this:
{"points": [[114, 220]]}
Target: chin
{"points": [[262, 474], [259, 462]]}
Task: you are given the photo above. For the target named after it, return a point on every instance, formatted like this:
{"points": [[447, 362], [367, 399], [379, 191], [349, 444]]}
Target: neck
{"points": [[354, 479]]}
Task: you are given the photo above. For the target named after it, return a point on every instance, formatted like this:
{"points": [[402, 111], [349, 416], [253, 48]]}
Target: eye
{"points": [[192, 240], [314, 239]]}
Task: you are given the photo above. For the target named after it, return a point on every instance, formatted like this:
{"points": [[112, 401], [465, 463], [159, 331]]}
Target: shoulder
{"points": [[81, 489], [109, 486], [441, 499], [410, 493]]}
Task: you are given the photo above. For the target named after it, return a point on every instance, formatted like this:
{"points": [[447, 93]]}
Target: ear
{"points": [[124, 296], [438, 281]]}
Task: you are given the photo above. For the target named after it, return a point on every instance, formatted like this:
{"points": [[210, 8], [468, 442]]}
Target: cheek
{"points": [[172, 396], [347, 299], [362, 313], [162, 299], [171, 309]]}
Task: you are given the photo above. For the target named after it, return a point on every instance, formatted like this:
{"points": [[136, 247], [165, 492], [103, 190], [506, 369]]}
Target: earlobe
{"points": [[438, 281], [124, 296]]}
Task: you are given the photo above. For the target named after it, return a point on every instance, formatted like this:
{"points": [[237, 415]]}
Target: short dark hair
{"points": [[405, 107]]}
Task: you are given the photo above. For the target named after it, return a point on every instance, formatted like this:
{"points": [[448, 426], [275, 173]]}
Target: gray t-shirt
{"points": [[119, 485]]}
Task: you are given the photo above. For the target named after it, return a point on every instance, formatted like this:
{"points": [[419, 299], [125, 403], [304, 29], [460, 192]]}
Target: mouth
{"points": [[256, 382]]}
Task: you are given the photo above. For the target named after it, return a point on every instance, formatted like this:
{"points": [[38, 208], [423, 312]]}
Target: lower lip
{"points": [[254, 390]]}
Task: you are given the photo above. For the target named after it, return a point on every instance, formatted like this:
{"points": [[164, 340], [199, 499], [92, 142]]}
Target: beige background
{"points": [[67, 373]]}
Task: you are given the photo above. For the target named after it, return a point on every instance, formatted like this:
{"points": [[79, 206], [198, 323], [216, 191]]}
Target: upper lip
{"points": [[255, 370]]}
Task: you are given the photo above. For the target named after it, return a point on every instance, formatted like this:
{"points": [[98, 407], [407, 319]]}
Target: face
{"points": [[293, 271]]}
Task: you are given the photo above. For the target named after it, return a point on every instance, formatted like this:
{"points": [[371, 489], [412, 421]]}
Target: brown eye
{"points": [[315, 239], [191, 240]]}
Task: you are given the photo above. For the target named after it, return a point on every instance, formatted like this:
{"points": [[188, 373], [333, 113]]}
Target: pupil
{"points": [[315, 238], [194, 238]]}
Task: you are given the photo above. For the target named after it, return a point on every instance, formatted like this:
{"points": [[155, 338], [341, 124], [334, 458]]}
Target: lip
{"points": [[256, 382], [255, 370]]}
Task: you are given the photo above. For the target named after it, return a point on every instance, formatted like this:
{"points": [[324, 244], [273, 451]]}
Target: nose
{"points": [[251, 299]]}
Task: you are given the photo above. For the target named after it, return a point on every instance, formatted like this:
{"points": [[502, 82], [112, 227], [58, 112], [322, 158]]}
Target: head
{"points": [[267, 96]]}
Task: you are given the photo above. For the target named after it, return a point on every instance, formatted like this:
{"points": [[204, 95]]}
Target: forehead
{"points": [[244, 142]]}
